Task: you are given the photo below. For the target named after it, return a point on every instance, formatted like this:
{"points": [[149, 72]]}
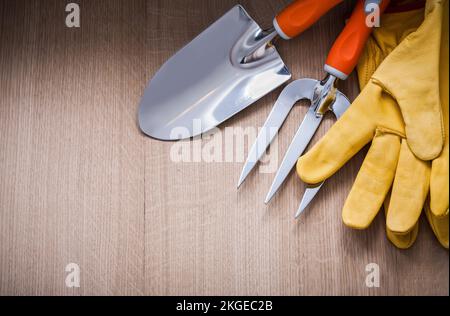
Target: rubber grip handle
{"points": [[300, 15], [344, 55]]}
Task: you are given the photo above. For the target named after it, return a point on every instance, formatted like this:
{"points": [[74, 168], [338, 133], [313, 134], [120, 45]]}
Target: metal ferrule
{"points": [[325, 95], [255, 47]]}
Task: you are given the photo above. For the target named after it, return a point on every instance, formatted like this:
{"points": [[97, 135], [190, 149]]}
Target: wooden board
{"points": [[80, 183]]}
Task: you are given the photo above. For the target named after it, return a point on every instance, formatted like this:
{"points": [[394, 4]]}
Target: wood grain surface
{"points": [[80, 183]]}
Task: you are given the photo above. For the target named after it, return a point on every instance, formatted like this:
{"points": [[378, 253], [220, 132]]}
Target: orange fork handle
{"points": [[348, 47], [300, 15]]}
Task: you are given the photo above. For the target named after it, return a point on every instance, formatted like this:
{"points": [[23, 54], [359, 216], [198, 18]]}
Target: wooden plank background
{"points": [[80, 183]]}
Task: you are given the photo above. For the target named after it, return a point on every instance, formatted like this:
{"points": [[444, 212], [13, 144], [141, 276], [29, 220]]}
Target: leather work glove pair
{"points": [[403, 111]]}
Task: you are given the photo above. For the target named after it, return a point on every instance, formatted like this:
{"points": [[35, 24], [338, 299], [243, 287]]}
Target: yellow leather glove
{"points": [[437, 208], [400, 111]]}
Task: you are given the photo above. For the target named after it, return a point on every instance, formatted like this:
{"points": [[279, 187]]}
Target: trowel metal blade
{"points": [[210, 80]]}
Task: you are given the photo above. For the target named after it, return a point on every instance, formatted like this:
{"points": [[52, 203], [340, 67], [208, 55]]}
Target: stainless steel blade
{"points": [[338, 108], [301, 139], [291, 94], [211, 79]]}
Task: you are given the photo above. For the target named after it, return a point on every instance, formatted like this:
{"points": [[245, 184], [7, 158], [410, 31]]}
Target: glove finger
{"points": [[439, 224], [345, 138], [373, 181], [409, 191], [402, 241], [439, 186]]}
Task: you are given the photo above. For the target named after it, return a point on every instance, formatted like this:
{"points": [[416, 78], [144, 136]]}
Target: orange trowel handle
{"points": [[300, 15], [348, 47]]}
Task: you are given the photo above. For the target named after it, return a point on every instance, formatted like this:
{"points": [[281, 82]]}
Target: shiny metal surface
{"points": [[301, 139], [308, 196], [339, 107], [222, 71], [308, 128], [291, 94], [325, 94]]}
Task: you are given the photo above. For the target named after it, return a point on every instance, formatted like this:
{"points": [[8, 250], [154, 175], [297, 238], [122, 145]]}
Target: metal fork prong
{"points": [[308, 196], [291, 94]]}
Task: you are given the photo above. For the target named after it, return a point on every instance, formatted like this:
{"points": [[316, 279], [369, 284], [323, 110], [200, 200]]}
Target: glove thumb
{"points": [[410, 74]]}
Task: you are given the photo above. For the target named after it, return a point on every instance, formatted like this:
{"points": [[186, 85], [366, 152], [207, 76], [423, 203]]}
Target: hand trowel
{"points": [[229, 66]]}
